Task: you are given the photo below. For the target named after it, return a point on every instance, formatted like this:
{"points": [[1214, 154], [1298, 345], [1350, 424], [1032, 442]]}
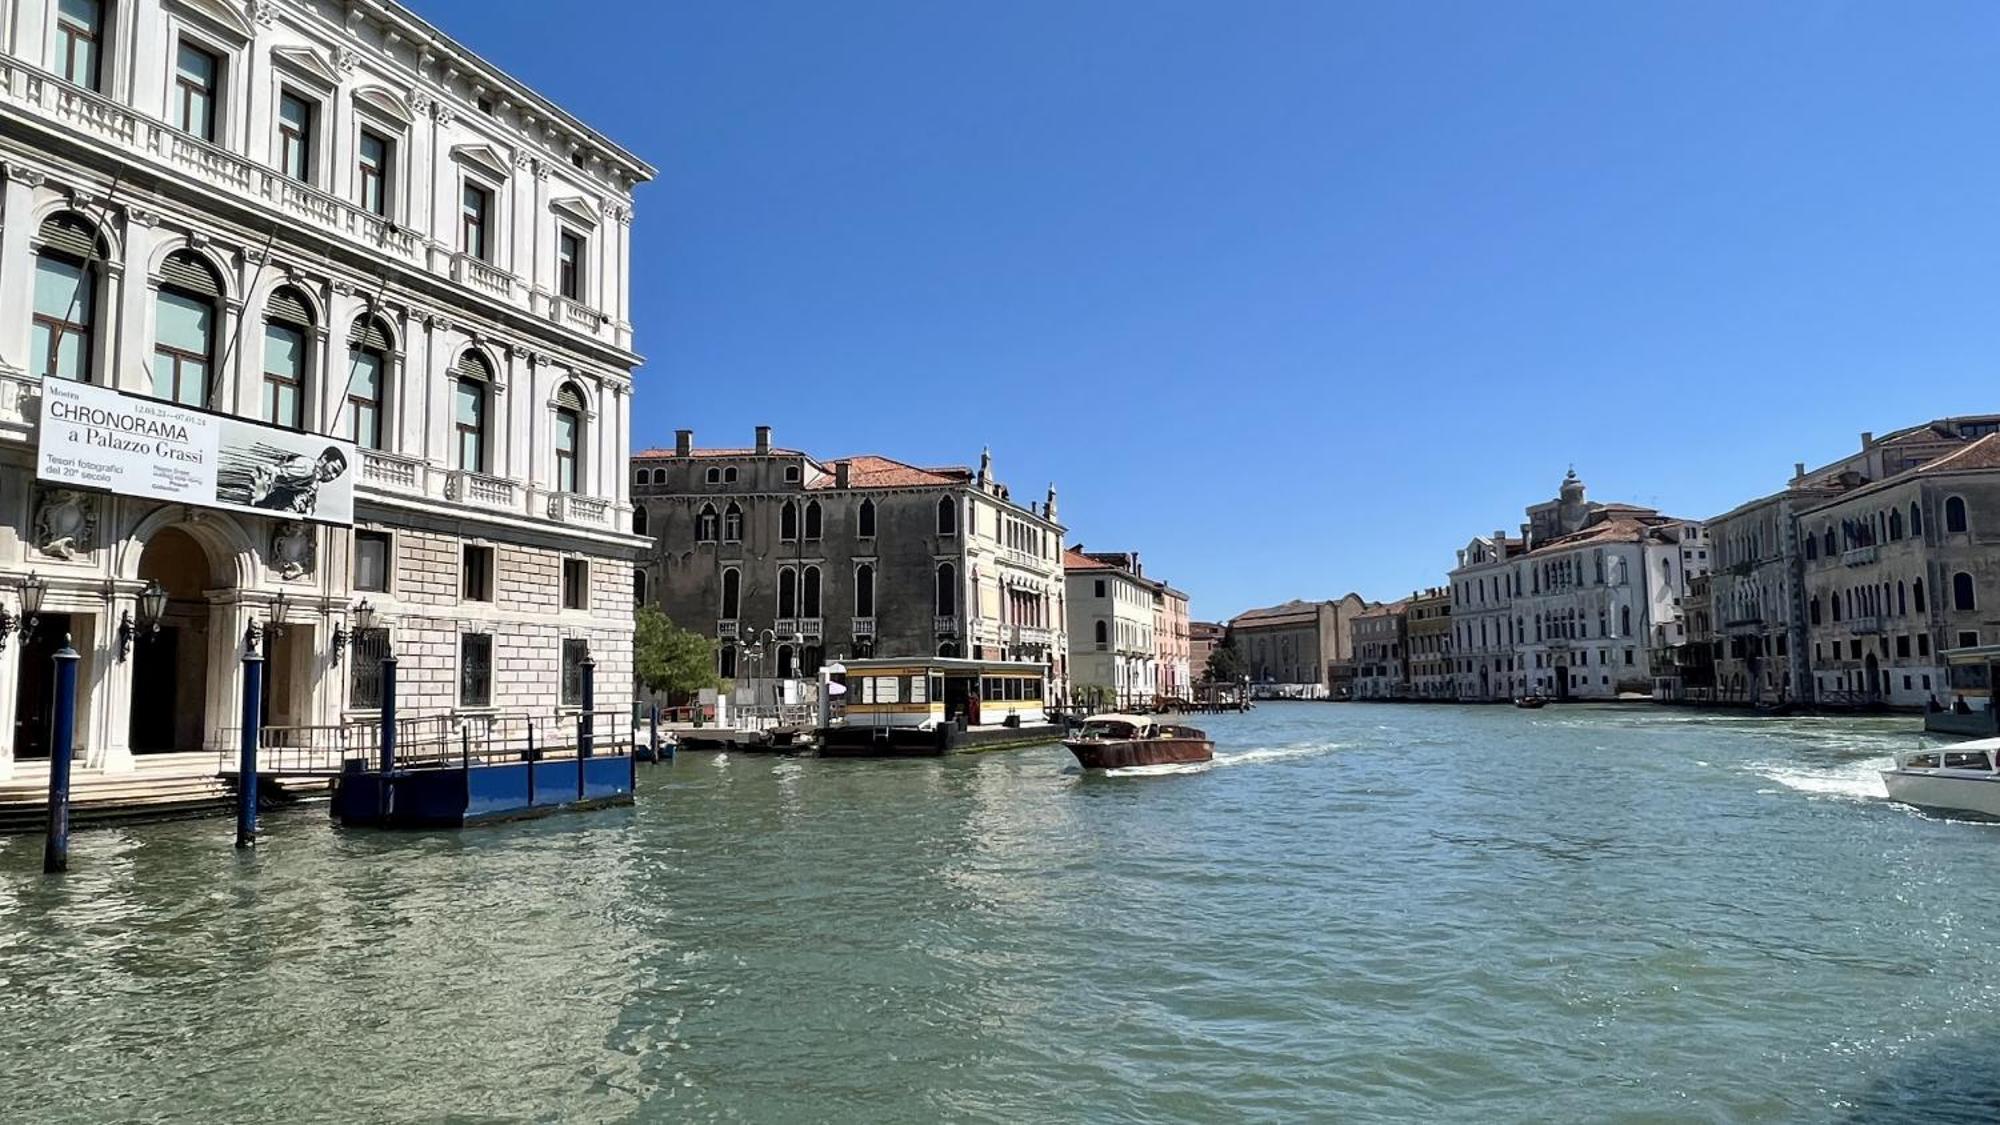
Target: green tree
{"points": [[669, 659], [1225, 664]]}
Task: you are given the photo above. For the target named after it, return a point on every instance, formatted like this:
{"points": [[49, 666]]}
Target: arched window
{"points": [[947, 516], [1954, 515], [704, 525], [1828, 543], [947, 590], [865, 521], [1917, 594], [66, 296], [1624, 620], [810, 661], [786, 668], [1902, 600], [569, 439], [788, 522], [788, 592], [729, 475], [714, 476], [1961, 591], [864, 591], [469, 410], [948, 650], [732, 523], [1812, 610], [1916, 520], [815, 522], [1895, 525], [638, 587], [1836, 605], [1103, 634], [639, 519], [187, 314], [370, 347], [732, 593], [725, 662], [809, 595], [1812, 546], [287, 325]]}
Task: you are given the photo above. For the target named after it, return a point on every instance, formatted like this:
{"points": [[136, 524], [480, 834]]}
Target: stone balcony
{"points": [[862, 627], [484, 276], [1860, 556], [944, 625], [393, 472], [726, 629], [589, 511], [482, 491], [1865, 626], [37, 93], [1028, 635]]}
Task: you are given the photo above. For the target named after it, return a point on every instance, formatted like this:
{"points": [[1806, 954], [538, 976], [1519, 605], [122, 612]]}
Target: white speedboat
{"points": [[1957, 778]]}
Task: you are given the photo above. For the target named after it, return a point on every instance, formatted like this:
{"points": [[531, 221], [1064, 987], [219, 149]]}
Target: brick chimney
{"points": [[1867, 438], [1798, 469], [683, 442], [763, 439], [841, 471]]}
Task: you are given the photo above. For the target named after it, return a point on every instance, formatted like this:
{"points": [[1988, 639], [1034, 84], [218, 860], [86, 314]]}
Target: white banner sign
{"points": [[98, 438]]}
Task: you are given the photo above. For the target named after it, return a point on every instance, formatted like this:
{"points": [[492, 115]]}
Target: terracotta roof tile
{"points": [[1074, 559], [871, 471], [1981, 454]]}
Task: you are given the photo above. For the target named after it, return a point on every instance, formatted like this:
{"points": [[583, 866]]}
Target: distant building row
{"points": [[789, 561], [1845, 587]]}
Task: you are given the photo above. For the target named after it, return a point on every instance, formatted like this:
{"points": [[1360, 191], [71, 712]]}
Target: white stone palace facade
{"points": [[328, 217]]}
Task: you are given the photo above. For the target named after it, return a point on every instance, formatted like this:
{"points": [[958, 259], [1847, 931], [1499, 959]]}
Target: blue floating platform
{"points": [[450, 795]]}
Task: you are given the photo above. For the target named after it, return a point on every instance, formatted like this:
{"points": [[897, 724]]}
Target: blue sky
{"points": [[1294, 298]]}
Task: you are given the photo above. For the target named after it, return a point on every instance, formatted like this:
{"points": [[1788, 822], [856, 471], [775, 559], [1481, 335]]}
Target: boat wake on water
{"points": [[1853, 781], [1239, 758]]}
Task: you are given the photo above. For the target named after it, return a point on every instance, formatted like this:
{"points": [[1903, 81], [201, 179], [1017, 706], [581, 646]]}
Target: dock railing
{"points": [[483, 738]]}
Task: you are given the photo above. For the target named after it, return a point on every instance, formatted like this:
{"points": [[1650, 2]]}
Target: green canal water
{"points": [[1357, 913]]}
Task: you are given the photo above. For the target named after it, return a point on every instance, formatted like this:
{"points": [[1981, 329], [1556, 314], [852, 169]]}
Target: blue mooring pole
{"points": [[62, 741], [388, 733], [585, 735], [246, 762]]}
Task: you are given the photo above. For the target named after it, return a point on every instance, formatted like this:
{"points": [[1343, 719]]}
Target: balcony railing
{"points": [[811, 628], [392, 471], [944, 624], [482, 491], [1865, 625], [468, 270], [862, 627], [726, 630], [568, 507], [577, 315], [1860, 556], [1028, 634], [98, 116]]}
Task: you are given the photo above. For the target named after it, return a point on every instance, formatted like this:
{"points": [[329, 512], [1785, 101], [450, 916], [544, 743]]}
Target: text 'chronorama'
{"points": [[127, 430]]}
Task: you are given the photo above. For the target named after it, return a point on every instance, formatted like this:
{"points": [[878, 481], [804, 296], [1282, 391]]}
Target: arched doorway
{"points": [[1872, 676], [170, 666]]}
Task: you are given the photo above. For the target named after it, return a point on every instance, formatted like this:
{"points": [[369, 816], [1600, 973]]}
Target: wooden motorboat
{"points": [[1112, 742], [1531, 702]]}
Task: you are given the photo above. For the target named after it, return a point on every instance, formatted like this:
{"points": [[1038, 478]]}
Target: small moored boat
{"points": [[1110, 742], [1530, 702], [1956, 778]]}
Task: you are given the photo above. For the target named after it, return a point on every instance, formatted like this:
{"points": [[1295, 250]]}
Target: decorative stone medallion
{"points": [[65, 522], [294, 549]]}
